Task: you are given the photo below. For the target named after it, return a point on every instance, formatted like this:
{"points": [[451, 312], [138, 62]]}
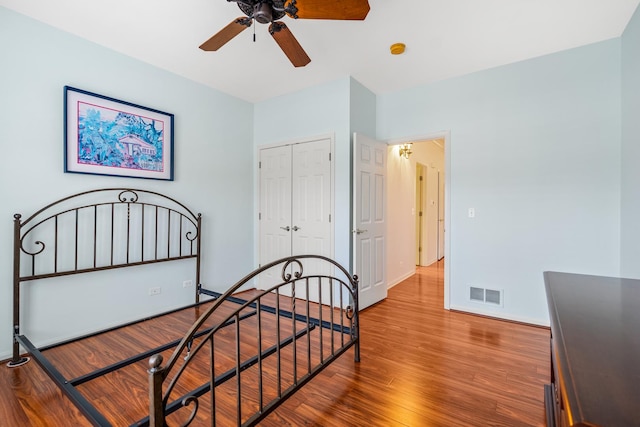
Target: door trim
{"points": [[446, 135]]}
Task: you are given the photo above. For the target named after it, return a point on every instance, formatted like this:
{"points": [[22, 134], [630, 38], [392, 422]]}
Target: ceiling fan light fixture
{"points": [[263, 13], [397, 48]]}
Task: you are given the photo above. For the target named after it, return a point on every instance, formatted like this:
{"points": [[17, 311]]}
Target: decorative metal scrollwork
{"points": [[37, 242], [187, 401], [191, 236], [349, 312], [288, 277], [36, 252], [128, 196]]}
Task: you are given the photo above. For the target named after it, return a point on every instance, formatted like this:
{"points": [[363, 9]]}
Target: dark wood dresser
{"points": [[595, 351]]}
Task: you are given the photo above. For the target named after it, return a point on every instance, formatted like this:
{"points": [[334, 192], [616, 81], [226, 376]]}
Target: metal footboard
{"points": [[245, 371]]}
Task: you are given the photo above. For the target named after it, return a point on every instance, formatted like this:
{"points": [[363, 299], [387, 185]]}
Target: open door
{"points": [[440, 216], [369, 218]]}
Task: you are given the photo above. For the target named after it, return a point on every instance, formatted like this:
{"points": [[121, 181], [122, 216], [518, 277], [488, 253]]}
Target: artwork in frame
{"points": [[106, 136]]}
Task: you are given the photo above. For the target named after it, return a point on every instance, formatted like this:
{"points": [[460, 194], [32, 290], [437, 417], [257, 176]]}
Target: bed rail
{"points": [[302, 323], [100, 230]]}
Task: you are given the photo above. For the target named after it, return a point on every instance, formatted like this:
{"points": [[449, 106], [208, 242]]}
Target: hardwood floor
{"points": [[420, 366]]}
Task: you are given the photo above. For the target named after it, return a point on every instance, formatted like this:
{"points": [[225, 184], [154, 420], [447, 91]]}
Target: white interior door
{"points": [[275, 208], [296, 200], [311, 207], [432, 212], [419, 212], [440, 216], [369, 209], [311, 201]]}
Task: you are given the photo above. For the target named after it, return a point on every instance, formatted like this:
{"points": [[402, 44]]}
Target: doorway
{"points": [[429, 204], [418, 217]]}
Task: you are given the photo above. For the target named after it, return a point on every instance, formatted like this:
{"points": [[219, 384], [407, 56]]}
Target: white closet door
{"points": [[309, 200], [275, 207], [311, 206]]}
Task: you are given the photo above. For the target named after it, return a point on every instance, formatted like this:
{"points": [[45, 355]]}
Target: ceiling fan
{"points": [[270, 11]]}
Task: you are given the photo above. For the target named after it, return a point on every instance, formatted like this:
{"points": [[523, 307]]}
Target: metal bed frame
{"points": [[270, 343]]}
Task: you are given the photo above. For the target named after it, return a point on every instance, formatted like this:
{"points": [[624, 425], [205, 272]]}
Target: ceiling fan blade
{"points": [[227, 33], [328, 9], [289, 44]]}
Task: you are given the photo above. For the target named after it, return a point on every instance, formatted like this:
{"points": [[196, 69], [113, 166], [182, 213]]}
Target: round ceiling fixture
{"points": [[397, 48]]}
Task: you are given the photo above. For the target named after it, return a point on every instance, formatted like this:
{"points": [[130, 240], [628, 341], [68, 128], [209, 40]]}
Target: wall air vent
{"points": [[476, 294], [485, 296], [492, 296]]}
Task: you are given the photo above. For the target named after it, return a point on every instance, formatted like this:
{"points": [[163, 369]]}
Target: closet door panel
{"points": [[311, 203], [275, 207]]}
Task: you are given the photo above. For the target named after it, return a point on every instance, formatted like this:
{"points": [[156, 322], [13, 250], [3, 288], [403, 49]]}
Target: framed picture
{"points": [[106, 136]]}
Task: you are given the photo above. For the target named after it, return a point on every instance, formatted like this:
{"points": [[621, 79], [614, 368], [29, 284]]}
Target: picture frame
{"points": [[107, 136]]}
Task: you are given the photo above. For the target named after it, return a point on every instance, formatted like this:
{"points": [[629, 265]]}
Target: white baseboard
{"points": [[392, 283], [502, 316]]}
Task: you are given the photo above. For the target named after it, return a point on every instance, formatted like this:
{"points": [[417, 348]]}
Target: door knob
{"points": [[286, 228], [295, 228], [358, 231]]}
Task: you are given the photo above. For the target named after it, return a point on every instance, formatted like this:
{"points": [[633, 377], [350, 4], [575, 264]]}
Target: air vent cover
{"points": [[486, 296], [476, 294], [492, 296]]}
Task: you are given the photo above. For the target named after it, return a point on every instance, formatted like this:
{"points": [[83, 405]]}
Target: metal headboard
{"points": [[98, 230]]}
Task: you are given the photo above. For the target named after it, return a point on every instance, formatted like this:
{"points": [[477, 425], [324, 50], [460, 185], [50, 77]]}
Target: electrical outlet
{"points": [[187, 283], [155, 291]]}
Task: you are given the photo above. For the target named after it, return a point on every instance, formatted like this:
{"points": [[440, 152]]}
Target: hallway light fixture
{"points": [[404, 150]]}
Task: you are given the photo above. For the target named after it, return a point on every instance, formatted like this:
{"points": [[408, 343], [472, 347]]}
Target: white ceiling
{"points": [[444, 38]]}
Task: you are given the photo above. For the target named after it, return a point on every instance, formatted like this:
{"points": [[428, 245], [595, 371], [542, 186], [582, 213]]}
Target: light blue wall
{"points": [[362, 109], [630, 176], [320, 110], [213, 157], [535, 150]]}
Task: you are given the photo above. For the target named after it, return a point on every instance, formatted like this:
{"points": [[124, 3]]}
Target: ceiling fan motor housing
{"points": [[263, 13]]}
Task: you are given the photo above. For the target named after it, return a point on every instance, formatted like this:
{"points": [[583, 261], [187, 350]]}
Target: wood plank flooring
{"points": [[420, 366]]}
